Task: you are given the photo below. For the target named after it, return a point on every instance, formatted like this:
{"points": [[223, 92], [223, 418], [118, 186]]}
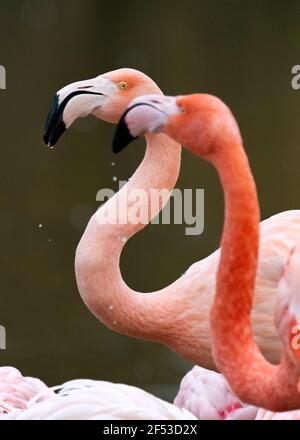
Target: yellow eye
{"points": [[122, 85]]}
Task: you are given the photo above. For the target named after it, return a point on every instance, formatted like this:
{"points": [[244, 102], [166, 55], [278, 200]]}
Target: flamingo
{"points": [[178, 315], [205, 125], [84, 399], [203, 395]]}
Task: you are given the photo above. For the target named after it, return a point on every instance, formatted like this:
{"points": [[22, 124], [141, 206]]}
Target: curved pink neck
{"points": [[236, 354], [98, 254]]}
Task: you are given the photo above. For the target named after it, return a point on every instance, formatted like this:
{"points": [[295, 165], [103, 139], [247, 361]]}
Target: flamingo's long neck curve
{"points": [[235, 351], [98, 254]]}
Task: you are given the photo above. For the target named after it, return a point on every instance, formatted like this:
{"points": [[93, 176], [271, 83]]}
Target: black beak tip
{"points": [[54, 126], [122, 136], [47, 140]]}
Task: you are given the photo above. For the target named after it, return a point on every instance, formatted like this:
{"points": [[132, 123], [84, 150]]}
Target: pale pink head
{"points": [[200, 122], [105, 97]]}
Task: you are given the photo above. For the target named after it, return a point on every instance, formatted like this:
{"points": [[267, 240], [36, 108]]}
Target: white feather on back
{"points": [[95, 400]]}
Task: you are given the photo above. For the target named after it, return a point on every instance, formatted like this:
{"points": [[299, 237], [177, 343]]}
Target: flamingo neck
{"points": [[97, 262], [236, 354], [239, 245]]}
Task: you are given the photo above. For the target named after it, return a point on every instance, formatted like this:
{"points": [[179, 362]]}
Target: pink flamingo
{"points": [[206, 126], [178, 315], [203, 395], [95, 400]]}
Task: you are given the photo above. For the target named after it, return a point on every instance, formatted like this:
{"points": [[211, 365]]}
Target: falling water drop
{"points": [[40, 225], [115, 178], [49, 239], [113, 164]]}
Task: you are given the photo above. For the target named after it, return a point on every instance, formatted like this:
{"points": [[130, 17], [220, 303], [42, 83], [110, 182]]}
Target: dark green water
{"points": [[241, 51]]}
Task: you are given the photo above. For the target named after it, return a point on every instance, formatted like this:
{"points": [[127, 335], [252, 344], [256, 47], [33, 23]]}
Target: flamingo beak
{"points": [[145, 114], [75, 101]]}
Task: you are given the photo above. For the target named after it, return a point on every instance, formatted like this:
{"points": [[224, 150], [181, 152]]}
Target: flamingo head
{"points": [[105, 97], [197, 121]]}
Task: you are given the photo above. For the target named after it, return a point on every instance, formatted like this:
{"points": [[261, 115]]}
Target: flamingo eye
{"points": [[123, 85], [182, 109]]}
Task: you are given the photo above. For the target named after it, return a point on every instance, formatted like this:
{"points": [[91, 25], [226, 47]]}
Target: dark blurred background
{"points": [[241, 51]]}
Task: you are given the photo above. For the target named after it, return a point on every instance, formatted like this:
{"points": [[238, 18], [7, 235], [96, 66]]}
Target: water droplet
{"points": [[49, 239], [111, 307], [113, 164], [115, 178], [40, 225]]}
